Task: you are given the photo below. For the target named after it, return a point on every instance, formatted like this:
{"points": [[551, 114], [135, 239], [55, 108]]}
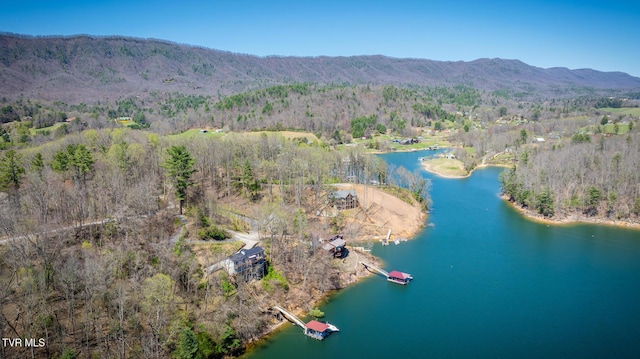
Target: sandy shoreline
{"points": [[382, 212]]}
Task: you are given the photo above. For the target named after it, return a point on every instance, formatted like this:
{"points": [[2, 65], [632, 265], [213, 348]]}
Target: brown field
{"points": [[380, 211]]}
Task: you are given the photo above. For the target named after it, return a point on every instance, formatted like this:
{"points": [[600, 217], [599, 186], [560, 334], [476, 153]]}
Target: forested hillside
{"points": [[85, 68], [127, 164], [593, 176], [95, 260]]}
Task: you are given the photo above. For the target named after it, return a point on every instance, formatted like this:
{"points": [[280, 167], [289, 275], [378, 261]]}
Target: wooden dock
{"points": [[295, 320], [385, 242], [376, 269]]}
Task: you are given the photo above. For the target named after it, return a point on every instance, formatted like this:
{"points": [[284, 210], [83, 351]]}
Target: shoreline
{"points": [[427, 167], [354, 278], [571, 220], [385, 212], [430, 169], [531, 215]]}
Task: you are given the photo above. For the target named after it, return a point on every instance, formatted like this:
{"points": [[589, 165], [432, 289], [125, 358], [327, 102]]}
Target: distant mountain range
{"points": [[87, 69]]}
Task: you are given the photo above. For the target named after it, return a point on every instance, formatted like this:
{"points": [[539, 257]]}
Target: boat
{"points": [[332, 327]]}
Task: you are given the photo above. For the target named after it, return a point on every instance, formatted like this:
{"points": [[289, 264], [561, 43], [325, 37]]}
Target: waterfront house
{"points": [[250, 263], [345, 199]]}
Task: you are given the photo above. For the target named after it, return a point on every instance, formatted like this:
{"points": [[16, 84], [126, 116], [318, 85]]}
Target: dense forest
{"points": [[585, 178], [112, 206], [86, 68], [95, 261]]}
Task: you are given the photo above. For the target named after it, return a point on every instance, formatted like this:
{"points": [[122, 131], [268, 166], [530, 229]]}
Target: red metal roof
{"points": [[317, 326], [399, 275]]}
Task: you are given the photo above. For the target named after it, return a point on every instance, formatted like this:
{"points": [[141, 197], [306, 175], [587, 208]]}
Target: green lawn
{"points": [[49, 129], [286, 134], [630, 111], [195, 132], [426, 142], [125, 123], [610, 128]]}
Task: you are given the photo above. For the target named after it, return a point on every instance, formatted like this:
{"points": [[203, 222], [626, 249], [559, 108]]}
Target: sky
{"points": [[602, 35]]}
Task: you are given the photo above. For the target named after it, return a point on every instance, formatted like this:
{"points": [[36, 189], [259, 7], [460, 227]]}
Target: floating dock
{"points": [[393, 276], [385, 242], [314, 329], [399, 277]]}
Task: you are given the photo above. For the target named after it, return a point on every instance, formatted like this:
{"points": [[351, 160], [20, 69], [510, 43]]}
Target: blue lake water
{"points": [[488, 284]]}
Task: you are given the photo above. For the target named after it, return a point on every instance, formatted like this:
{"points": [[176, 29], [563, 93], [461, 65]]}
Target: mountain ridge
{"points": [[77, 68]]}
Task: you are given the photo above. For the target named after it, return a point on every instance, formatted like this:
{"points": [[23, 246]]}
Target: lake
{"points": [[488, 283]]}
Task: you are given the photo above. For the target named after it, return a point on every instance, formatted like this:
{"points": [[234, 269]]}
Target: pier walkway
{"points": [[371, 266], [393, 276], [290, 316]]}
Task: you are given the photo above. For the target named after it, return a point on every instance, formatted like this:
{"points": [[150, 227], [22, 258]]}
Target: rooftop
{"points": [[247, 253], [399, 275], [317, 326], [343, 193], [335, 243]]}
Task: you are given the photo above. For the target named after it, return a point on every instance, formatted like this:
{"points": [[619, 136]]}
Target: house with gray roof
{"points": [[345, 199], [250, 263]]}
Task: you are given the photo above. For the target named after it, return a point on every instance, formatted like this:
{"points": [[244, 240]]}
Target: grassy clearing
{"points": [[195, 133], [611, 128], [46, 130], [503, 159], [630, 111], [446, 167], [125, 123], [286, 134], [426, 142]]}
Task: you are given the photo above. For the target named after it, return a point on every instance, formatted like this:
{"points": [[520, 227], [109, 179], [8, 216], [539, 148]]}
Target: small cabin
{"points": [[399, 277]]}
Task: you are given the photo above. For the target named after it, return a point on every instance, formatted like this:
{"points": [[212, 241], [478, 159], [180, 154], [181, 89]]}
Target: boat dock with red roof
{"points": [[393, 276], [399, 277], [319, 330], [314, 329]]}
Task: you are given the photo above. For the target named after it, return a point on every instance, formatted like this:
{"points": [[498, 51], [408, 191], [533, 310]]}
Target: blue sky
{"points": [[603, 35]]}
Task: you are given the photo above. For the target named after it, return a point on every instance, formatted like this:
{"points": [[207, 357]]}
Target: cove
{"points": [[488, 283]]}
